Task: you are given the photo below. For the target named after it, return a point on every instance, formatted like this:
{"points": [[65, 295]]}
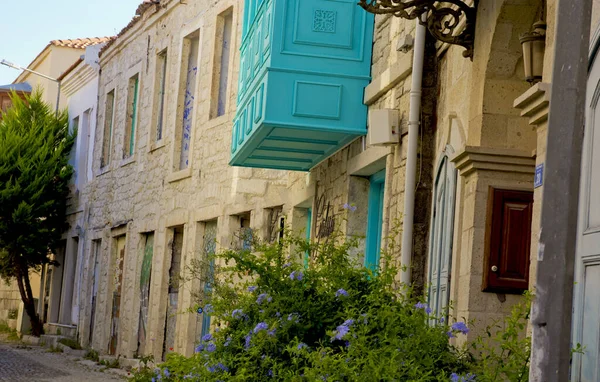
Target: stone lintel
{"points": [[474, 158], [369, 161], [388, 79], [535, 103]]}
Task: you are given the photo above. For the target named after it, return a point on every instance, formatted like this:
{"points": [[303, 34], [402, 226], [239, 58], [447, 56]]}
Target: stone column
{"points": [[534, 104]]}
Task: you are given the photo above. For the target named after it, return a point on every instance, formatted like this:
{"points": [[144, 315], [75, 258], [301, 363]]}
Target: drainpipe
{"points": [[414, 120]]}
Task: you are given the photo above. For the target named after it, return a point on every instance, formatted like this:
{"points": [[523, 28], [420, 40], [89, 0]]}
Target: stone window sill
{"points": [[157, 145], [103, 170], [179, 175], [127, 161]]}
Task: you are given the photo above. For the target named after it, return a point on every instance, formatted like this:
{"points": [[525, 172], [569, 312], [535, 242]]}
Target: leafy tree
{"points": [[35, 144]]}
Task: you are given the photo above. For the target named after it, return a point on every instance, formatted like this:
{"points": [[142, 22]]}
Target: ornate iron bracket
{"points": [[443, 18]]}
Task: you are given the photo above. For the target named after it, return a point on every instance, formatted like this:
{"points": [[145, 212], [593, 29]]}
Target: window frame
{"points": [[160, 97], [132, 113], [222, 64], [107, 129]]}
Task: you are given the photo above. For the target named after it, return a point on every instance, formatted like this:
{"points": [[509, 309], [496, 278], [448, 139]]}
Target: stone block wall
{"points": [[144, 194], [9, 299]]}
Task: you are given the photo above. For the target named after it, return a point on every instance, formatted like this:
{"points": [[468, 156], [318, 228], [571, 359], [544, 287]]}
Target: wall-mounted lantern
{"points": [[534, 46], [449, 21]]}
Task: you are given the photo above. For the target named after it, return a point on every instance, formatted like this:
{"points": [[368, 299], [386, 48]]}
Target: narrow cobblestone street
{"points": [[30, 363]]}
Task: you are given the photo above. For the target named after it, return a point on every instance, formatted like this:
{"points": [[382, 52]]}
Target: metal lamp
{"points": [[534, 45]]}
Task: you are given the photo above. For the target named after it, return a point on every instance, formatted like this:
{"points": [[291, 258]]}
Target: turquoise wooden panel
{"points": [[308, 228], [304, 65], [374, 220]]}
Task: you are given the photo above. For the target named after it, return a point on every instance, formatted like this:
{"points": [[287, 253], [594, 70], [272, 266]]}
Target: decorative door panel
{"points": [[441, 236], [586, 317]]}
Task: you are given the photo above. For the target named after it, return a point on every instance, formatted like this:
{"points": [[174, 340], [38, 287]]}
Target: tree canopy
{"points": [[35, 144]]}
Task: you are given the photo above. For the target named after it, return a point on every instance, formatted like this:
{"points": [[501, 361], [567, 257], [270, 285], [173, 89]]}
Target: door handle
{"points": [[494, 268]]}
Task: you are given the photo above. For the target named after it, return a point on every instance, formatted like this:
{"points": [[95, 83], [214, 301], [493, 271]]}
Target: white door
{"points": [[442, 231], [586, 318]]}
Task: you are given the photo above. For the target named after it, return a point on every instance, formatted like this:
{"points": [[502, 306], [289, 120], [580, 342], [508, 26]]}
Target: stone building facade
{"points": [[163, 193]]}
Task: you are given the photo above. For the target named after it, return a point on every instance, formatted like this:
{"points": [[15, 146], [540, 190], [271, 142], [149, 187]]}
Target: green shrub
{"points": [[12, 334], [55, 349], [333, 320], [73, 344], [12, 314], [92, 355]]}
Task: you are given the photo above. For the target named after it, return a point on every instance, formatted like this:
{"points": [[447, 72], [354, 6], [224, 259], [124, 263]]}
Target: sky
{"points": [[27, 26]]}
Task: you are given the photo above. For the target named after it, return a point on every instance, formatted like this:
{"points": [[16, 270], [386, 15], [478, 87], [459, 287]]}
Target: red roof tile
{"points": [[80, 43]]}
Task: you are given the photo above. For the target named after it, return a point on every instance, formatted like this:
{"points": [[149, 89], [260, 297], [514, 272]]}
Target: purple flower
{"points": [[340, 332], [293, 317], [348, 323], [199, 348], [237, 313], [423, 306], [286, 265], [261, 326], [460, 327], [302, 345], [227, 341], [467, 378], [272, 332], [296, 275], [442, 320], [350, 207], [248, 338], [277, 314], [262, 297], [252, 288], [208, 308], [207, 337], [166, 373], [341, 292], [450, 335], [222, 367], [270, 373], [211, 347], [347, 343]]}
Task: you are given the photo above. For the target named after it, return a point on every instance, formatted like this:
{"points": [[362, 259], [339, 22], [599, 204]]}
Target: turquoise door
{"points": [[308, 227], [374, 220]]}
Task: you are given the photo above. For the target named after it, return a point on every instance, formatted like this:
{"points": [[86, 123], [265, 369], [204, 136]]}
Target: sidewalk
{"points": [[20, 362]]}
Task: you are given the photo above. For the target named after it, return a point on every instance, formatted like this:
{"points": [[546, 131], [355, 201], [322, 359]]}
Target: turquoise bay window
{"points": [[303, 68], [374, 219]]}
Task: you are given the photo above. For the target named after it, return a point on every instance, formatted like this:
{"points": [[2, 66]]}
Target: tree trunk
{"points": [[37, 328]]}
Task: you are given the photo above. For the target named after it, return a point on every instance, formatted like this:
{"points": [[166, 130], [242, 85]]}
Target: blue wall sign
{"points": [[539, 176]]}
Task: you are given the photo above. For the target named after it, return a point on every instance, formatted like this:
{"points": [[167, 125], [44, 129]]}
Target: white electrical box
{"points": [[384, 127]]}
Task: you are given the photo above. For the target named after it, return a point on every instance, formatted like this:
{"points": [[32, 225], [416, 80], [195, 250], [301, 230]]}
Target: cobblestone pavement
{"points": [[31, 364]]}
